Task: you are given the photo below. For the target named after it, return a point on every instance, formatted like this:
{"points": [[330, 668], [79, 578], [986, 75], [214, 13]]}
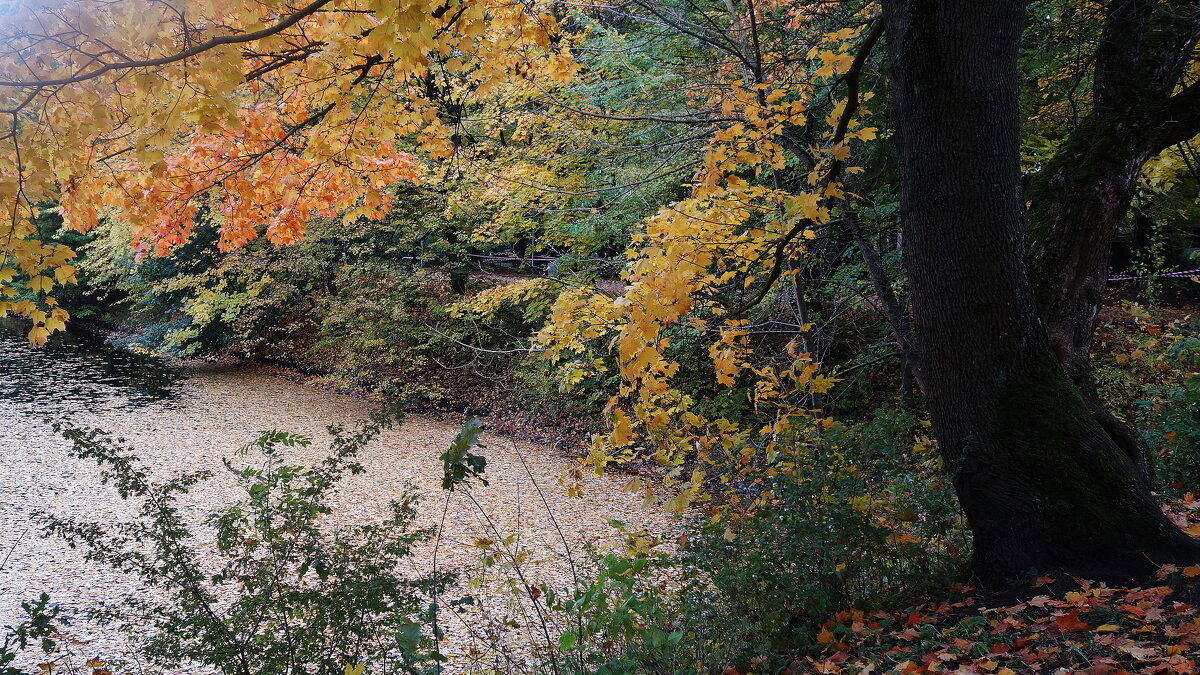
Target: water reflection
{"points": [[77, 372]]}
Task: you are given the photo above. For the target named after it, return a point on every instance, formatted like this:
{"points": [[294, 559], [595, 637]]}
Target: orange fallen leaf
{"points": [[1070, 622]]}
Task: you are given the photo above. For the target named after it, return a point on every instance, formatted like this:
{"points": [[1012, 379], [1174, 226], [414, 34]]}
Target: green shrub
{"points": [[1169, 415], [286, 591], [869, 523], [374, 332], [623, 622], [40, 626]]}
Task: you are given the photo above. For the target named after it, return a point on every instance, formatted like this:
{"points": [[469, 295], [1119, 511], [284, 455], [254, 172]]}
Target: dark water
{"points": [[75, 372]]}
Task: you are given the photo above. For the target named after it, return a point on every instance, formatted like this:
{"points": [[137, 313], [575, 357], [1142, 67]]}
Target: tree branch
{"points": [[853, 77], [284, 24], [1181, 120]]}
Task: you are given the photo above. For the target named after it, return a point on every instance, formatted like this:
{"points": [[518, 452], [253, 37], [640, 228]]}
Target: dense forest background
{"points": [[884, 304]]}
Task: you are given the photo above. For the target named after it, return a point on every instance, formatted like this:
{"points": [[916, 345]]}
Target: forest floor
{"points": [[1060, 624]]}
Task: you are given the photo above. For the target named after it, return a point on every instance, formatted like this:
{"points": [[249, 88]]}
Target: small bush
{"points": [[284, 592], [373, 333], [40, 626], [1169, 415], [867, 522]]}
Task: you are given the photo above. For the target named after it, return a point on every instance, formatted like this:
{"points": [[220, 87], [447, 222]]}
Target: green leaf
{"points": [[458, 462]]}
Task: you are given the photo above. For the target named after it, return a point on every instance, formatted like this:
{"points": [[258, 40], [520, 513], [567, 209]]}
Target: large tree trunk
{"points": [[1041, 482]]}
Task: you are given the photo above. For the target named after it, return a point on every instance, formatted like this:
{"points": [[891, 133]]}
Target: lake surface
{"points": [[76, 372], [189, 416]]}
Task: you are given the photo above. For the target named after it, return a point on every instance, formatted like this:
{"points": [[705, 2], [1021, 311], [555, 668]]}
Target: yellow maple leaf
{"points": [[41, 284], [622, 433], [821, 384], [64, 274], [38, 335]]}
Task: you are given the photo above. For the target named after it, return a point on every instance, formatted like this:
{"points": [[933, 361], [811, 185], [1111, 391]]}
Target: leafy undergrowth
{"points": [[497, 403], [1059, 625]]}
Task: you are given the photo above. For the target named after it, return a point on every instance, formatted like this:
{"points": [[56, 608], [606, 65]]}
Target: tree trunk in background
{"points": [[1077, 203], [1080, 198], [1041, 481], [457, 265]]}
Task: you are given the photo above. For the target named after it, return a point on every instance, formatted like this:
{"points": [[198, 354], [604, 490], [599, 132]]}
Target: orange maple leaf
{"points": [[1070, 622]]}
